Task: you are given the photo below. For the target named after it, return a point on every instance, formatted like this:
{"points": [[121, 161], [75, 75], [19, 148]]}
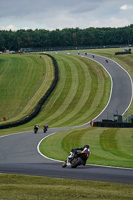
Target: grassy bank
{"points": [[22, 83], [41, 188], [109, 146], [81, 94]]}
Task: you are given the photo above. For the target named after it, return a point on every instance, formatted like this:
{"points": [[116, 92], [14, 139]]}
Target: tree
{"points": [[2, 47]]}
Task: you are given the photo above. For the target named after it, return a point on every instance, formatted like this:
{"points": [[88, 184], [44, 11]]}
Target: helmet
{"points": [[86, 146]]}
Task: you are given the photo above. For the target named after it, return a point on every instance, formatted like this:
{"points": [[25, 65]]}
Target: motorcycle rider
{"points": [[36, 127], [75, 153], [45, 127], [85, 149]]}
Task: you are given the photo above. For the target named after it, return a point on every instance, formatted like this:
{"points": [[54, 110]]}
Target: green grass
{"points": [[22, 83], [109, 146], [81, 94], [21, 187]]}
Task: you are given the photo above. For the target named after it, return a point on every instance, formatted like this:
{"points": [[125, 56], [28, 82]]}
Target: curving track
{"points": [[121, 94], [19, 155]]}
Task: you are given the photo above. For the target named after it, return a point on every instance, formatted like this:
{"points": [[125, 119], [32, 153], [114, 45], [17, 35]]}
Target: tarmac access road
{"points": [[19, 154]]}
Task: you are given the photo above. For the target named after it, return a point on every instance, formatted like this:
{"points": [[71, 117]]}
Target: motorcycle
{"points": [[75, 159], [45, 128], [35, 130]]}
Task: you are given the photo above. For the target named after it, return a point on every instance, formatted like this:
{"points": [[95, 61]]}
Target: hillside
{"points": [[24, 79]]}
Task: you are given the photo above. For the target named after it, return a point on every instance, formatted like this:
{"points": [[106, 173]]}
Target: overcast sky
{"points": [[59, 14]]}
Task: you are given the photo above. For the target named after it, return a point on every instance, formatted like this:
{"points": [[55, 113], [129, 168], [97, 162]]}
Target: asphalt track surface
{"points": [[19, 152]]}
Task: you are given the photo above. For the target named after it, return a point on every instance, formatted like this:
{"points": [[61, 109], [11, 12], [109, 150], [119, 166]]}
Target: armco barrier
{"points": [[40, 103], [120, 53], [113, 124]]}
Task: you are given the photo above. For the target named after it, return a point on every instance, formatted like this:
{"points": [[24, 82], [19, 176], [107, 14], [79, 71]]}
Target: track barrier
{"points": [[113, 124]]}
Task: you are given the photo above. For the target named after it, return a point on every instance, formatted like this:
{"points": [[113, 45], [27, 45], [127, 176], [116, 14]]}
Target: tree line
{"points": [[15, 40]]}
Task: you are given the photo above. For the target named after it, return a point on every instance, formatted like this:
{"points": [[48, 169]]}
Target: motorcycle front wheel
{"points": [[64, 164]]}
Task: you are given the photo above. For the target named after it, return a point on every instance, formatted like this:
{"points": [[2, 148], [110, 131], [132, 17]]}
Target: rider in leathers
{"points": [[85, 149], [36, 126]]}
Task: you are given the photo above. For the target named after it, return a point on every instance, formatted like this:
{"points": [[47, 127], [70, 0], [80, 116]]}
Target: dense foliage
{"points": [[15, 40]]}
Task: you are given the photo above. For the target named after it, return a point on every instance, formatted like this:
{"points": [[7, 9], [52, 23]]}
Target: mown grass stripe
{"points": [[109, 142], [79, 97], [64, 107], [89, 101], [124, 139], [100, 99], [52, 103], [72, 140], [66, 90]]}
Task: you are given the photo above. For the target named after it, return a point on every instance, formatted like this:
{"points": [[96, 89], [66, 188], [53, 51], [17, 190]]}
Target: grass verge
{"points": [[109, 146], [21, 187]]}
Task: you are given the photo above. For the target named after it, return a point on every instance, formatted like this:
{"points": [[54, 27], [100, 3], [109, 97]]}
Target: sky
{"points": [[60, 14]]}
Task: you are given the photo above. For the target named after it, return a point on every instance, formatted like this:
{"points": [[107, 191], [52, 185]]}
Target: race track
{"points": [[19, 155], [121, 94]]}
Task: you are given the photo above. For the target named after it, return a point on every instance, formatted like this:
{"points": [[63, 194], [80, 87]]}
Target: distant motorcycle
{"points": [[75, 159], [45, 128], [35, 130]]}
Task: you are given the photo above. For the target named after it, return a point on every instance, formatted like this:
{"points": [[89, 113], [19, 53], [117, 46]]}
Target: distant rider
{"points": [[45, 128], [36, 127]]}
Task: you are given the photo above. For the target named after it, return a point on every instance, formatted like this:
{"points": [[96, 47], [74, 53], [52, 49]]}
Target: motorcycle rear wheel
{"points": [[76, 162], [44, 130]]}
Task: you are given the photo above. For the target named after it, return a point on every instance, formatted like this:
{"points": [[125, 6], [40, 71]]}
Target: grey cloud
{"points": [[61, 13], [86, 6], [26, 7]]}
